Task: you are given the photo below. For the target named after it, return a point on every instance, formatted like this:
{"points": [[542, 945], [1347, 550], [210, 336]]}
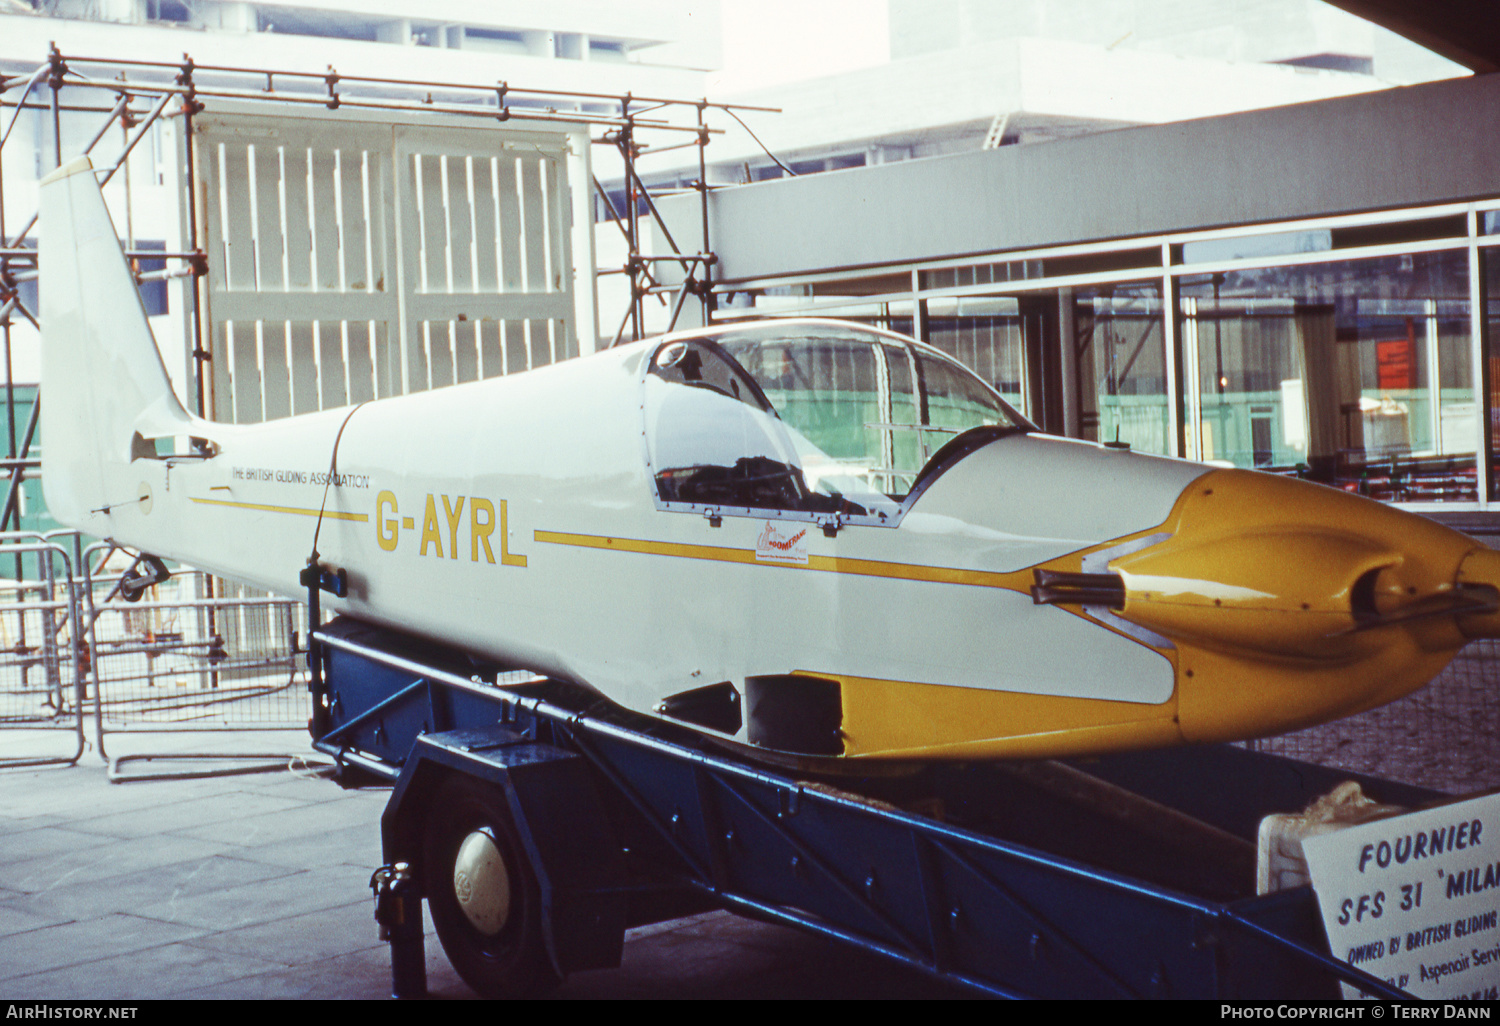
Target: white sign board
{"points": [[1415, 899]]}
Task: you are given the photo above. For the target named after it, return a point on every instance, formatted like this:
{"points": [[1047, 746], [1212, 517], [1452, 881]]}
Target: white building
{"points": [[928, 77], [906, 78], [646, 46], [650, 48]]}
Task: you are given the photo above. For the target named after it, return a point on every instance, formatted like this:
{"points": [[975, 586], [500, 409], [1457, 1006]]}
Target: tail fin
{"points": [[103, 382]]}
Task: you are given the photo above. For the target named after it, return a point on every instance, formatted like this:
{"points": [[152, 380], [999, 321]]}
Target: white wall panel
{"points": [[351, 258]]}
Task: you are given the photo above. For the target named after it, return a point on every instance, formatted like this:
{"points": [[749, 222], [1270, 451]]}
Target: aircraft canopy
{"points": [[806, 417]]}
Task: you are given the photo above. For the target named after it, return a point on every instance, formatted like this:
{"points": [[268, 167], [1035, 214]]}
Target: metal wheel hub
{"points": [[481, 883]]}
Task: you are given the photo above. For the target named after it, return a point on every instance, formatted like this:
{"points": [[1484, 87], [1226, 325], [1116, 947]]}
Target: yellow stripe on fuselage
{"points": [[1019, 580], [301, 511]]}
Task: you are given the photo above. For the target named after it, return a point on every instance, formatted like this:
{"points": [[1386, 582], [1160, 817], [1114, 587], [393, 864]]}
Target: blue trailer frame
{"points": [[989, 876]]}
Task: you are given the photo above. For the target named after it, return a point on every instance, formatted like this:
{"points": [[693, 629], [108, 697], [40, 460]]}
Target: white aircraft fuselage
{"points": [[1022, 596]]}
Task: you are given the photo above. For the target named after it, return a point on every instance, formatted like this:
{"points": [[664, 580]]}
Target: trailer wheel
{"points": [[483, 894]]}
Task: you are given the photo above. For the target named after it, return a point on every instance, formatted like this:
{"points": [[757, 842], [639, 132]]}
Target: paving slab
{"points": [[275, 895], [160, 972], [20, 845], [186, 814], [308, 766], [357, 808], [166, 893], [357, 975], [87, 867], [15, 822], [79, 794], [303, 939], [80, 942], [257, 888], [17, 918], [356, 846]]}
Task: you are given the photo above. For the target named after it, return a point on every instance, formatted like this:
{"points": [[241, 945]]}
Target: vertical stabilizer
{"points": [[103, 382]]}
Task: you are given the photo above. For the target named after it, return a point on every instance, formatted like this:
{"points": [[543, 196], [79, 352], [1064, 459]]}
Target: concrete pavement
{"points": [[257, 887]]}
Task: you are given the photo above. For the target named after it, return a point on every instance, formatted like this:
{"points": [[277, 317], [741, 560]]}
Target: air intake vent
{"points": [[796, 714], [716, 707]]}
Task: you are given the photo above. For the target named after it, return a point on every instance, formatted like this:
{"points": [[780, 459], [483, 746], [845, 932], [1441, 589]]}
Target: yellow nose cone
{"points": [[1277, 590], [1290, 603], [1266, 564], [1480, 574]]}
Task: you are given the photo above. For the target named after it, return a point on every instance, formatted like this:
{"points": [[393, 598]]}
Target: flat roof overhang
{"points": [[1406, 147], [1466, 32]]}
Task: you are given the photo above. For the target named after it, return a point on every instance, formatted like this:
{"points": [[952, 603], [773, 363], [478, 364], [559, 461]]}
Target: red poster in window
{"points": [[1396, 361]]}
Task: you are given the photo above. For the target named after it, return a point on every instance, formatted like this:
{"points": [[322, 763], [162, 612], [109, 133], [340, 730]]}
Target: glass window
{"points": [[714, 438], [810, 417], [1356, 373], [981, 274], [954, 400], [1491, 271], [986, 335], [866, 411], [1243, 247], [1122, 377], [907, 447], [827, 390]]}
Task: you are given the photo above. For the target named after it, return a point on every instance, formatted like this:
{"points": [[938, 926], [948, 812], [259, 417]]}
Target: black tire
{"points": [[512, 961]]}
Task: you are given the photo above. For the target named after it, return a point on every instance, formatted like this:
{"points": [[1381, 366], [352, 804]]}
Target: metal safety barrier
{"points": [[42, 666], [138, 651], [188, 657], [189, 652]]}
